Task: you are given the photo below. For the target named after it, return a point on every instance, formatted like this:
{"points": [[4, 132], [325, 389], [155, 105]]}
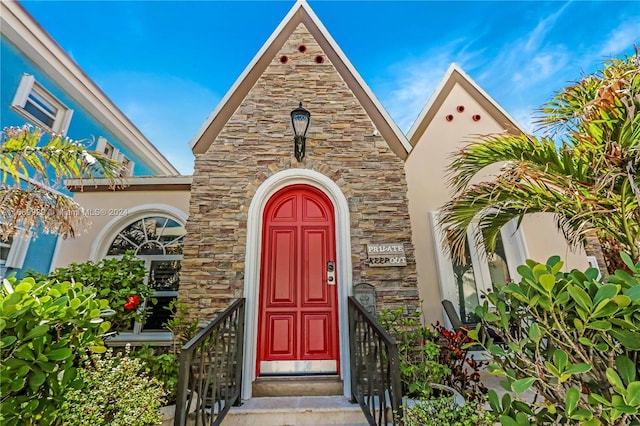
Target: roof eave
{"points": [[454, 75], [25, 32]]}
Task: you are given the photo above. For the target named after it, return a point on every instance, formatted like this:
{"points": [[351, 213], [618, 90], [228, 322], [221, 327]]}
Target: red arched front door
{"points": [[298, 317]]}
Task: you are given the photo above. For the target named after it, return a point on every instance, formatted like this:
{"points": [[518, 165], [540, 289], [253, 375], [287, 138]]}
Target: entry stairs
{"points": [[296, 410], [292, 401]]}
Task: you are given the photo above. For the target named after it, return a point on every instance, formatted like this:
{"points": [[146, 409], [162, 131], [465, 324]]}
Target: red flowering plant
{"points": [[464, 375], [118, 280], [132, 302]]}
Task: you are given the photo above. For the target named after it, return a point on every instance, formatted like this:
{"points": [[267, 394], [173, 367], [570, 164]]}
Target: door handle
{"points": [[331, 272]]}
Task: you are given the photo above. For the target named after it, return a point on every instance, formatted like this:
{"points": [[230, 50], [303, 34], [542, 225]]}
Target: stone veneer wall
{"points": [[257, 142]]}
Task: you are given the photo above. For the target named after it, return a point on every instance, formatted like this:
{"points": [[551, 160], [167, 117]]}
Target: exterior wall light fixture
{"points": [[300, 119]]}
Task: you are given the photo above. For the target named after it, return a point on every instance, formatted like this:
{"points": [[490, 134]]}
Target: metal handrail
{"points": [[210, 377], [375, 370]]}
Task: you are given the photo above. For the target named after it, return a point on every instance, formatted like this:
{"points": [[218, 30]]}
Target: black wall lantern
{"points": [[300, 123]]}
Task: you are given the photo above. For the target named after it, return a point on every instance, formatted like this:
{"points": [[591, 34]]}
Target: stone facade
{"points": [[257, 142]]}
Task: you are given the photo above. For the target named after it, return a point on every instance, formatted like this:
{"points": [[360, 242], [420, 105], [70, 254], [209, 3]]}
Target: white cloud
{"points": [[524, 118], [537, 36], [520, 72], [621, 39], [412, 81]]}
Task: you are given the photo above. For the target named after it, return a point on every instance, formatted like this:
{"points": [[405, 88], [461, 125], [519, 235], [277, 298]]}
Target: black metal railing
{"points": [[210, 378], [375, 373]]}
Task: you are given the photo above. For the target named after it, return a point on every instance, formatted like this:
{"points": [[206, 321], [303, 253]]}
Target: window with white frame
{"points": [[157, 240], [112, 152], [38, 105], [13, 252], [465, 283]]}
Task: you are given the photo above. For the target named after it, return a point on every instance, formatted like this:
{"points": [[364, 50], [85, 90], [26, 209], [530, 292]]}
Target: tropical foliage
{"points": [[464, 370], [165, 366], [45, 328], [120, 281], [116, 392], [417, 350], [31, 169], [584, 170], [443, 411], [571, 337]]}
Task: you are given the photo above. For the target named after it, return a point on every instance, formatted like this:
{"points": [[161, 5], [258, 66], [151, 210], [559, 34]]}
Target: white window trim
{"points": [[17, 253], [115, 155], [515, 251], [28, 84]]}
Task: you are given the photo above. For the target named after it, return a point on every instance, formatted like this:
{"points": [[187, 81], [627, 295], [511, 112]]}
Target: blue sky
{"points": [[166, 64]]}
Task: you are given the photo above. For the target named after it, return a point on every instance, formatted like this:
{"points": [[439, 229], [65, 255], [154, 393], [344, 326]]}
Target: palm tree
{"points": [[30, 169], [584, 169]]}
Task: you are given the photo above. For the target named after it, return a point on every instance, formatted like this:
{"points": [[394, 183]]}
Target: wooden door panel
{"points": [[280, 285], [316, 330], [314, 271], [281, 337], [285, 210], [298, 318], [312, 211]]}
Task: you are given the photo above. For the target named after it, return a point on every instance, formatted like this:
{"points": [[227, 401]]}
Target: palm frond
{"points": [[39, 209], [31, 168]]}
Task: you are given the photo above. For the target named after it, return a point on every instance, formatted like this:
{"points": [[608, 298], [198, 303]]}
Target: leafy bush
{"points": [[165, 366], [117, 392], [45, 327], [574, 339], [443, 411], [118, 280], [417, 350], [464, 375]]}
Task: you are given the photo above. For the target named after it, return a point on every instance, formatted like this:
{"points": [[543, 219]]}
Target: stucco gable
{"points": [[300, 13], [456, 76]]}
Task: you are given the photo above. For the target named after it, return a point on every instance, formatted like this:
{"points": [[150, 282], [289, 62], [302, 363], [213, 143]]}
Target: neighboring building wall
{"points": [[428, 191], [257, 142], [82, 126], [109, 211], [27, 50], [544, 241]]}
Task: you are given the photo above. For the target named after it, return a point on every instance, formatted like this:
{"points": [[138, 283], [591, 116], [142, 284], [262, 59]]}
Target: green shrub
{"points": [[417, 350], [116, 392], [165, 366], [571, 337], [162, 366], [443, 411], [44, 328], [118, 280]]}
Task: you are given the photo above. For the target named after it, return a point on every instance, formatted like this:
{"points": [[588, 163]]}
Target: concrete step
{"points": [[294, 411], [297, 386]]}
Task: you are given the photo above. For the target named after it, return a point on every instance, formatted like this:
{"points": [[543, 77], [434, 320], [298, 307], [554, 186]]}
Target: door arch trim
{"points": [[252, 265]]}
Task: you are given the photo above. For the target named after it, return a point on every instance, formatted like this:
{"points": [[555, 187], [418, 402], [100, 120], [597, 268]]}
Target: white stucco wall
{"points": [[104, 208], [428, 191]]}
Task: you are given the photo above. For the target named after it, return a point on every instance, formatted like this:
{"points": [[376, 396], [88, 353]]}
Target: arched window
{"points": [[158, 240]]}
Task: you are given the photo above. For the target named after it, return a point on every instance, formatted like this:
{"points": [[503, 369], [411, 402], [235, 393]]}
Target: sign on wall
{"points": [[386, 255]]}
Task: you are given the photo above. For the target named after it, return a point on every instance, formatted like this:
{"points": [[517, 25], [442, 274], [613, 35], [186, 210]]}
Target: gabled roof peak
{"points": [[300, 13], [455, 75]]}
